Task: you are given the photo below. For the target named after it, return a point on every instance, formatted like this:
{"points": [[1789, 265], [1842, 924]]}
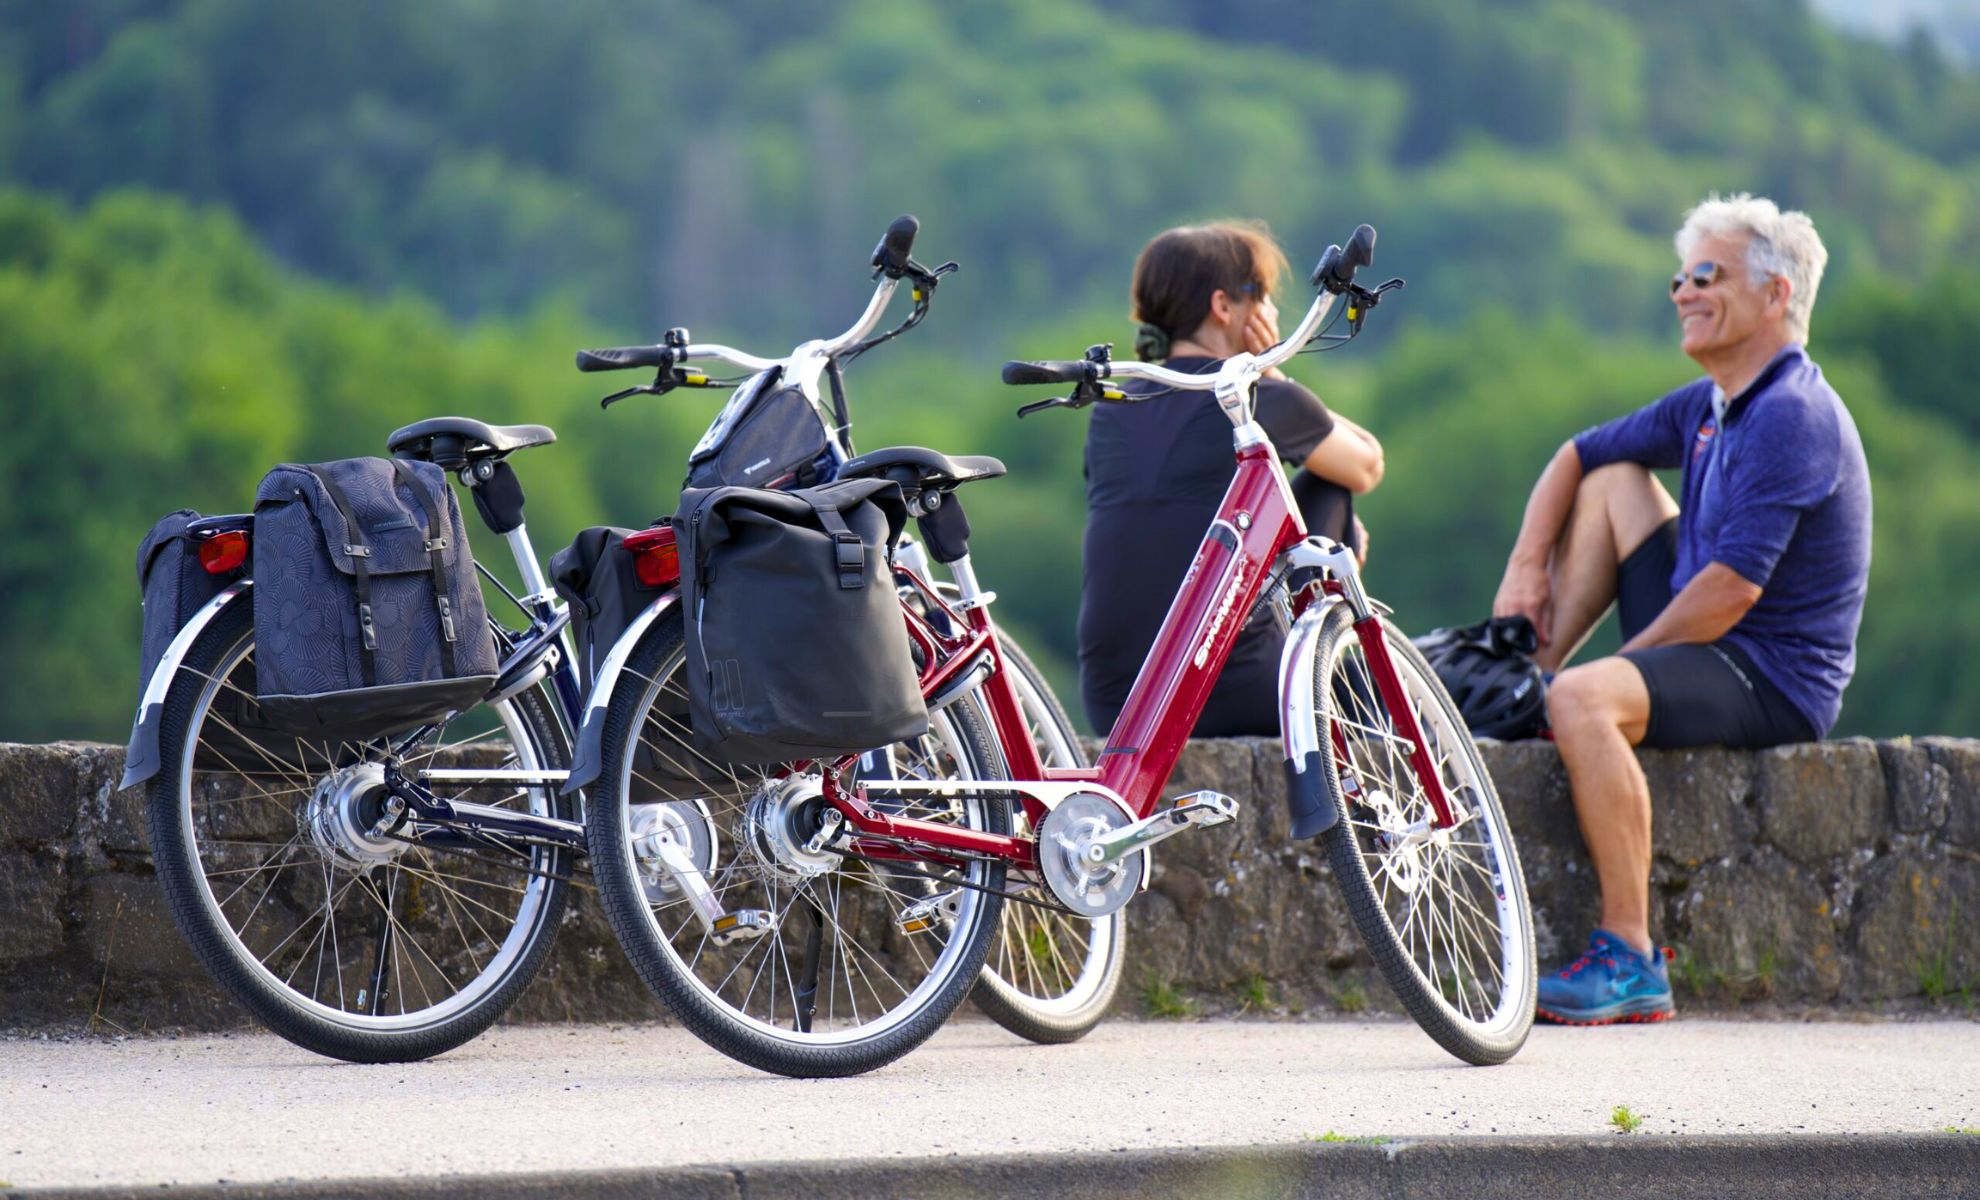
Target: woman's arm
{"points": [[1350, 456]]}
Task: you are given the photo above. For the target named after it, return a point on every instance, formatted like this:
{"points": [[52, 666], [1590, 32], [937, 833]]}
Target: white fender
{"points": [[141, 756], [585, 766]]}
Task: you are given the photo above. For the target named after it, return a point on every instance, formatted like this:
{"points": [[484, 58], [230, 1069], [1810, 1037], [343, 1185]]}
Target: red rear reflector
{"points": [[223, 552], [656, 559]]}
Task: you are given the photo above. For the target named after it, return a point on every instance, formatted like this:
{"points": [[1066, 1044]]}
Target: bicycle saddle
{"points": [[921, 468], [450, 441]]}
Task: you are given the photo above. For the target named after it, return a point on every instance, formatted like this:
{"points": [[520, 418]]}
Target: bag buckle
{"points": [[852, 560], [446, 619], [369, 629]]}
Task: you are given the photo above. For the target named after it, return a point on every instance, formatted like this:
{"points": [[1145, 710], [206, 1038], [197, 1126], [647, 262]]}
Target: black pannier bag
{"points": [[595, 576], [773, 440], [795, 639], [368, 619], [175, 585]]}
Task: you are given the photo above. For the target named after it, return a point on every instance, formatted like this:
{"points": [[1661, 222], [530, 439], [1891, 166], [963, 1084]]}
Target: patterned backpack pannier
{"points": [[368, 619]]}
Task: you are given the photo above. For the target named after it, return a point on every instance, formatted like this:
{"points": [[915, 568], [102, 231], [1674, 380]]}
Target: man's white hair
{"points": [[1778, 243]]}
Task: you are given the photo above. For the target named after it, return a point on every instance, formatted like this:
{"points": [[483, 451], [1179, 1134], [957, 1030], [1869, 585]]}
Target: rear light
{"points": [[656, 559], [224, 552]]}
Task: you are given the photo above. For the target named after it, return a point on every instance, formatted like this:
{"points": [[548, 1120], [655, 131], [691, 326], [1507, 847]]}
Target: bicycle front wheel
{"points": [[344, 932], [1444, 911], [836, 961]]}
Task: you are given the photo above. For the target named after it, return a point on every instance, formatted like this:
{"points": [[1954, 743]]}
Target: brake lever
{"points": [[1042, 405], [664, 381]]}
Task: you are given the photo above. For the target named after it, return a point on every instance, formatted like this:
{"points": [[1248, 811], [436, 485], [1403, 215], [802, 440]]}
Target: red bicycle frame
{"points": [[1256, 523]]}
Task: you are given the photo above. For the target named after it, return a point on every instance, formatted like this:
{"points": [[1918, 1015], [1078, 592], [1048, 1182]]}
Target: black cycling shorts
{"points": [[1700, 695]]}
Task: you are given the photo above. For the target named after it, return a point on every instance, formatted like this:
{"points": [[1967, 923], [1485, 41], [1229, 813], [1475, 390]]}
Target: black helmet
{"points": [[1487, 671]]}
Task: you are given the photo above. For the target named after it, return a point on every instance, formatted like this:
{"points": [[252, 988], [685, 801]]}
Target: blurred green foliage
{"points": [[238, 233]]}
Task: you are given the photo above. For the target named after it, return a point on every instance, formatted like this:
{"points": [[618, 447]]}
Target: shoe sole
{"points": [[1628, 1018]]}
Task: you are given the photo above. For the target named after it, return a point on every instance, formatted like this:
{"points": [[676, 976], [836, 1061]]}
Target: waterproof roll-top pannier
{"points": [[368, 619], [772, 439], [796, 646], [596, 577]]}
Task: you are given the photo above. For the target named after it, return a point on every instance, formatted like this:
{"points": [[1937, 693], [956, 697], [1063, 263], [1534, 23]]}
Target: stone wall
{"points": [[1842, 874]]}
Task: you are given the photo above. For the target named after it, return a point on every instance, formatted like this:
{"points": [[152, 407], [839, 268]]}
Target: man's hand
{"points": [[1361, 543], [1526, 591]]}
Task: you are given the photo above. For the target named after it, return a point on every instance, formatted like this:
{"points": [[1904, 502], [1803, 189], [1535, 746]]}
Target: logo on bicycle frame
{"points": [[1222, 614]]}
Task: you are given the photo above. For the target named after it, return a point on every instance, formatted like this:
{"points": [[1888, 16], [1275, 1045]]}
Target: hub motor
{"points": [[349, 816], [780, 822]]}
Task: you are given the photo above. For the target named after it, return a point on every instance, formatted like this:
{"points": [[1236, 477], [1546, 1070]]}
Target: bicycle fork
{"points": [[1311, 803]]}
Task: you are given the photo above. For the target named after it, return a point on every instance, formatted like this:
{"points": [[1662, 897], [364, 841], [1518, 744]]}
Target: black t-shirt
{"points": [[1155, 472]]}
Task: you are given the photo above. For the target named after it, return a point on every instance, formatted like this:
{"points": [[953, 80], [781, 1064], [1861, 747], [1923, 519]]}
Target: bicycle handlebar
{"points": [[1332, 278]]}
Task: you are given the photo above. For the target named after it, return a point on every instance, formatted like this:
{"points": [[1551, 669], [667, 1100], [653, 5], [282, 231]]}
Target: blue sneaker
{"points": [[1609, 983]]}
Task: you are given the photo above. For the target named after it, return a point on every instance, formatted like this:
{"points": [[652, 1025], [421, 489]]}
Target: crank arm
{"points": [[721, 925], [1198, 809]]}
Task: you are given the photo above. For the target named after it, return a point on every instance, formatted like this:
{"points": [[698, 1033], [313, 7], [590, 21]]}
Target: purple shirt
{"points": [[1777, 490]]}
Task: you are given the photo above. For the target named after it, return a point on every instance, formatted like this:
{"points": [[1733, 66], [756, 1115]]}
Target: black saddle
{"points": [[451, 442], [919, 469]]}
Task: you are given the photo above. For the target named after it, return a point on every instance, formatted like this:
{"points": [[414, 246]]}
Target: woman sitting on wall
{"points": [[1156, 470]]}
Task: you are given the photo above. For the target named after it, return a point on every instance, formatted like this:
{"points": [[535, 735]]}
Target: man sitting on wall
{"points": [[1739, 607]]}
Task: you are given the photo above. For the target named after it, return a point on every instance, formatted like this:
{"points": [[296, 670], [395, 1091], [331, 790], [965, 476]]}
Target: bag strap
{"points": [[436, 545], [846, 544], [360, 555]]}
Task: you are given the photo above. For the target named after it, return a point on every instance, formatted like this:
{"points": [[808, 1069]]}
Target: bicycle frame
{"points": [[1256, 540]]}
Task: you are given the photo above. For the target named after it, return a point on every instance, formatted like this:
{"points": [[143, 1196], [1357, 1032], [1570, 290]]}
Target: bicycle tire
{"points": [[1026, 985], [742, 813], [1482, 875], [186, 843]]}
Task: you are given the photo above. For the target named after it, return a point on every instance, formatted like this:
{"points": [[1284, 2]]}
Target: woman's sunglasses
{"points": [[1701, 277]]}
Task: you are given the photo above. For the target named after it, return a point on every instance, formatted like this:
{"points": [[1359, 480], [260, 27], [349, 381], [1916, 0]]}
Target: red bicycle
{"points": [[829, 918]]}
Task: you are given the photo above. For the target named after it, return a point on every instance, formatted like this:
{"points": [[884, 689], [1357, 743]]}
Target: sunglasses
{"points": [[1701, 277]]}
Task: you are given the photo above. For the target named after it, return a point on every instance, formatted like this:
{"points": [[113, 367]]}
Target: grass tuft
{"points": [[1254, 994], [1968, 1130], [1624, 1120], [1164, 999], [1366, 1139], [1351, 998]]}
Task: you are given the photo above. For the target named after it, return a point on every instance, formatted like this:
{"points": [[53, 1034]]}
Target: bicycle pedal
{"points": [[742, 925], [924, 915], [1204, 808]]}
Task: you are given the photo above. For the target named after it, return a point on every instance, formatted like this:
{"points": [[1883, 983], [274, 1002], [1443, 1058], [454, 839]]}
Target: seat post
{"points": [[536, 589]]}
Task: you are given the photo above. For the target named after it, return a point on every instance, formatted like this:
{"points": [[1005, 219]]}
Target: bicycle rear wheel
{"points": [[1052, 975], [853, 960], [357, 944], [1444, 912]]}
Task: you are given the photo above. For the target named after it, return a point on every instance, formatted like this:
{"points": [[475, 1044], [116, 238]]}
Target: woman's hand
{"points": [[1261, 331], [1360, 543]]}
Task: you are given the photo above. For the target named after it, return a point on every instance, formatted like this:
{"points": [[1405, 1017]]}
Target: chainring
{"points": [[1088, 891]]}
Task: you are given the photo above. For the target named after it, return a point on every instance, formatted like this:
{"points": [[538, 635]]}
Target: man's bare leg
{"points": [[1615, 509], [1600, 710]]}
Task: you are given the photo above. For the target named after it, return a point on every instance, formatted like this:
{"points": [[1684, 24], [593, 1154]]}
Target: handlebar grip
{"points": [[1337, 266], [621, 358], [891, 255], [1020, 374], [1360, 250]]}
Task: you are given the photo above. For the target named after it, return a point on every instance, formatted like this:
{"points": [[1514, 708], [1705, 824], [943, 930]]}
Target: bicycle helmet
{"points": [[1486, 669]]}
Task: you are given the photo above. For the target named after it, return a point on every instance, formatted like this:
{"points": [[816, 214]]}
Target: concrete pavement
{"points": [[628, 1109]]}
